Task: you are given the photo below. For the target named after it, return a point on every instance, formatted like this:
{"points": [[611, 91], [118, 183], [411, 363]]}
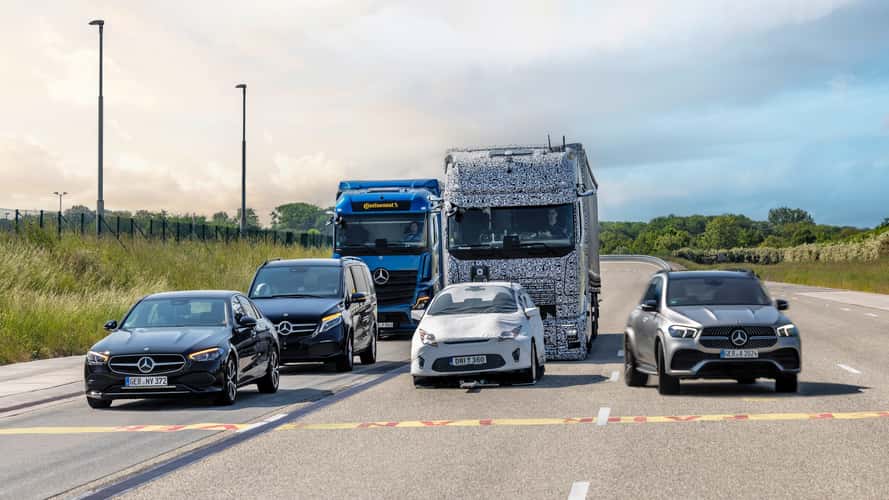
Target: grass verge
{"points": [[55, 295]]}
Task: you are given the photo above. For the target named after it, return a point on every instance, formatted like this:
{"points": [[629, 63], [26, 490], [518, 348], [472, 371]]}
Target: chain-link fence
{"points": [[162, 229]]}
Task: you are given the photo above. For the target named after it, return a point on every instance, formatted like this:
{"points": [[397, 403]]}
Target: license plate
{"points": [[469, 360], [145, 381], [387, 324], [738, 354]]}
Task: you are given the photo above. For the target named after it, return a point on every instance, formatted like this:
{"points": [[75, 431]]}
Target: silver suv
{"points": [[710, 324]]}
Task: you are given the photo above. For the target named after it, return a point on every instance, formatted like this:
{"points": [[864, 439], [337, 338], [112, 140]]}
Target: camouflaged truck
{"points": [[529, 215]]}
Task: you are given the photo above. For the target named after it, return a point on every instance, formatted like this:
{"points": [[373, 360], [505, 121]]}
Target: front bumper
{"points": [[195, 378], [308, 348], [687, 358], [503, 356]]}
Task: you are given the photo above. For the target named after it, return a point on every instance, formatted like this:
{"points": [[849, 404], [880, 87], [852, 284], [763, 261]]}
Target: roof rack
{"points": [[350, 257]]}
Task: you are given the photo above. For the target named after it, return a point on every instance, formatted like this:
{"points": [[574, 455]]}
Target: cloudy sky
{"points": [[683, 106]]}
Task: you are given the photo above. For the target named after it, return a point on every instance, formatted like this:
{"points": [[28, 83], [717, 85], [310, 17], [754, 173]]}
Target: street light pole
{"points": [[100, 202], [63, 193], [243, 221]]}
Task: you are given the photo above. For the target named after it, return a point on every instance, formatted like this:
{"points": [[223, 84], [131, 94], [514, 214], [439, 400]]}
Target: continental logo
{"points": [[375, 206], [380, 205]]}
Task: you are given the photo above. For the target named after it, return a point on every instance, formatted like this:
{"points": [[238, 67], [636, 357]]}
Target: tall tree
{"points": [[785, 215]]}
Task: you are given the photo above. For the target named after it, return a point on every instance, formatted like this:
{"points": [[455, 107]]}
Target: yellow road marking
{"points": [[493, 422]]}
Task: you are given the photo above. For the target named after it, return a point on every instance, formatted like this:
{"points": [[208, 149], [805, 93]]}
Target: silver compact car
{"points": [[710, 324]]}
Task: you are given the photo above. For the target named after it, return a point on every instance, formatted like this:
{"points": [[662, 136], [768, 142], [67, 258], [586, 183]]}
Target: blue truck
{"points": [[394, 226]]}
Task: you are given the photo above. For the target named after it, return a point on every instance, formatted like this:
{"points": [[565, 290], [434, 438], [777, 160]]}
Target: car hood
{"points": [[730, 315], [470, 326], [296, 309], [163, 340]]}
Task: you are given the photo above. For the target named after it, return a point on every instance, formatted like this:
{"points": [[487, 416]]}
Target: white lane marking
{"points": [[267, 421], [620, 353], [276, 417], [849, 369], [579, 490], [604, 412], [615, 375], [872, 315], [846, 309]]}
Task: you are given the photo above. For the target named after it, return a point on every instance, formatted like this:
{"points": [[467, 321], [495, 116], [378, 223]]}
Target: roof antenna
{"points": [[549, 143], [563, 143]]}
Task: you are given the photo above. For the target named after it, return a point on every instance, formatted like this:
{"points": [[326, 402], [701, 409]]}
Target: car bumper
{"points": [[688, 359], [195, 379], [307, 348], [502, 356]]}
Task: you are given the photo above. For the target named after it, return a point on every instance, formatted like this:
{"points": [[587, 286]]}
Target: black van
{"points": [[324, 309]]}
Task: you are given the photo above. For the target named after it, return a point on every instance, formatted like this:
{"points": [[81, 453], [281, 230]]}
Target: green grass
{"points": [[55, 295], [861, 276]]}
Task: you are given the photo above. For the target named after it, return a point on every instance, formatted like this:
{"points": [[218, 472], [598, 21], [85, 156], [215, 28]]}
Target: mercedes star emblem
{"points": [[739, 338], [145, 364], [381, 276], [285, 328]]}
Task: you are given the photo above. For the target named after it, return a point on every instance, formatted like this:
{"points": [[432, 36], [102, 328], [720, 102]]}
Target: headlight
{"points": [[421, 303], [788, 330], [427, 338], [684, 332], [510, 334], [206, 354], [96, 358], [330, 321]]}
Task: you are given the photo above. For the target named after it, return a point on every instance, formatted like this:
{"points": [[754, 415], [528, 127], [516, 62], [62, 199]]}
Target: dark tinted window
{"points": [[654, 290], [717, 292], [360, 281], [350, 283], [312, 281], [159, 313]]}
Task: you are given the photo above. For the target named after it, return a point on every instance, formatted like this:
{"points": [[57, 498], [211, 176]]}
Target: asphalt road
{"points": [[580, 433]]}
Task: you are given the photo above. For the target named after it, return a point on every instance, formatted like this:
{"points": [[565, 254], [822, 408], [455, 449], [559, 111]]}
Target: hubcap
{"points": [[349, 354], [231, 385], [373, 345], [275, 375]]}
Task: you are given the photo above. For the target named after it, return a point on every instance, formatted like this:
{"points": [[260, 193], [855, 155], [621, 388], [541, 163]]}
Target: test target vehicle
{"points": [[710, 324], [478, 331], [194, 343]]}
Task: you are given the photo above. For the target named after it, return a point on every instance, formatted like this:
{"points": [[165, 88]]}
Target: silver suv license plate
{"points": [[738, 354]]}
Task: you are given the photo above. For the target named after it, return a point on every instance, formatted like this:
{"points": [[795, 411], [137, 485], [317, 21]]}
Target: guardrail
{"points": [[648, 259]]}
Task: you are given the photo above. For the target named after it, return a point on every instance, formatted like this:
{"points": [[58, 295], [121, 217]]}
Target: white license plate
{"points": [[469, 360], [145, 381], [387, 324], [738, 354]]}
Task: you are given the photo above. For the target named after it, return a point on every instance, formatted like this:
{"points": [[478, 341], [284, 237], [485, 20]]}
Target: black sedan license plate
{"points": [[145, 381]]}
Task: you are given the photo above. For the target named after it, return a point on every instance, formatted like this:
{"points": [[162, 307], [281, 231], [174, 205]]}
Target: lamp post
{"points": [[60, 195], [100, 202], [243, 221]]}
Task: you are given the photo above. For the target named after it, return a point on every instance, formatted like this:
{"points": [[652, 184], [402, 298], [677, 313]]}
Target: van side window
{"points": [[359, 279], [349, 282]]}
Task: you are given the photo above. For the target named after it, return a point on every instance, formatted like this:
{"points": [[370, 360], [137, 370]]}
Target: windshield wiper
{"points": [[292, 296], [539, 244]]}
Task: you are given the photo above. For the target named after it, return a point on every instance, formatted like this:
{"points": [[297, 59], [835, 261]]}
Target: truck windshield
{"points": [[514, 231], [378, 233]]}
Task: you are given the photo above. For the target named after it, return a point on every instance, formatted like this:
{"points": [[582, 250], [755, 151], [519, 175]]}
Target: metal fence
{"points": [[84, 224]]}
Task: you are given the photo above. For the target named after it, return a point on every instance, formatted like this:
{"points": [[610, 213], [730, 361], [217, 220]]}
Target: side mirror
{"points": [[782, 305], [649, 305], [584, 194], [417, 314], [358, 298], [247, 321], [531, 311], [111, 325]]}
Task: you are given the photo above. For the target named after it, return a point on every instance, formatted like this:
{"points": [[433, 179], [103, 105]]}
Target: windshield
{"points": [[509, 228], [297, 281], [474, 300], [716, 292], [160, 313], [381, 232]]}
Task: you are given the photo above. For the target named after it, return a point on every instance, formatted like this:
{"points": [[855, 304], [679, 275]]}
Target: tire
{"points": [[98, 404], [268, 384], [419, 382], [347, 361], [787, 383], [747, 381], [229, 383], [666, 384], [369, 356], [531, 375], [632, 376]]}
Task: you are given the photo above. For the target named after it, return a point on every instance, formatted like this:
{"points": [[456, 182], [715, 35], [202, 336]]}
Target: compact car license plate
{"points": [[738, 354], [145, 381], [387, 324], [469, 360]]}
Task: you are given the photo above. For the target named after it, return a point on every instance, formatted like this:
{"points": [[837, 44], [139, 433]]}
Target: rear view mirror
{"points": [[358, 298], [417, 314], [782, 305], [111, 325], [649, 305]]}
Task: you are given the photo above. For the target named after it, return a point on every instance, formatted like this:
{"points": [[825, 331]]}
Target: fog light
{"points": [[95, 394], [515, 354]]}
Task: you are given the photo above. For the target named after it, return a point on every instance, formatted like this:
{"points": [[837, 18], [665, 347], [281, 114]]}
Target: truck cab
{"points": [[394, 226]]}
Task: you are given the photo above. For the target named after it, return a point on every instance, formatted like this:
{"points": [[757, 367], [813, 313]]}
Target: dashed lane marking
{"points": [[615, 376], [872, 315], [579, 490], [849, 369], [604, 412], [485, 422], [845, 309]]}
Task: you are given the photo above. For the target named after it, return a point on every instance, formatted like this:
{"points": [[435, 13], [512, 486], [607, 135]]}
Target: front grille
{"points": [[399, 289], [542, 291], [726, 331], [128, 364], [468, 341], [444, 364], [288, 328], [725, 343]]}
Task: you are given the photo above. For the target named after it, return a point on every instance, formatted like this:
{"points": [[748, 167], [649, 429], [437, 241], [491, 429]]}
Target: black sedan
{"points": [[206, 343]]}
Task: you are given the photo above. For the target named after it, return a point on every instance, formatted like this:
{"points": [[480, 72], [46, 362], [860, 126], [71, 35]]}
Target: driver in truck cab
{"points": [[554, 229]]}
